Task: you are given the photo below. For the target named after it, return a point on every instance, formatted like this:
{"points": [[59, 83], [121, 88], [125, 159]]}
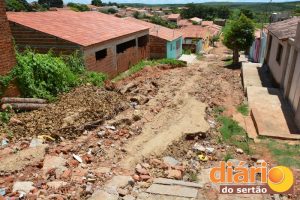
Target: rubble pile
{"points": [[83, 108]]}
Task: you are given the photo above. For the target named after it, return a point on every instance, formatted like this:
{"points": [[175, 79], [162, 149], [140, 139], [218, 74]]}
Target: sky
{"points": [[173, 1]]}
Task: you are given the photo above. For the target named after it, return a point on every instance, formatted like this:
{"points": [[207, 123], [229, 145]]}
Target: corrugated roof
{"points": [[284, 29], [157, 30], [83, 28]]}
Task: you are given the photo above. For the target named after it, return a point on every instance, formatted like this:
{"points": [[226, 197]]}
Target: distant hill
{"points": [[254, 6]]}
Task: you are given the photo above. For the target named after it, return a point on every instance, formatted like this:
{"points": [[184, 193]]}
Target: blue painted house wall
{"points": [[172, 51]]}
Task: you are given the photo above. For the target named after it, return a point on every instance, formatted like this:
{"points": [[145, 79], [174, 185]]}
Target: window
{"points": [[279, 53], [178, 44], [143, 41], [126, 45], [101, 54]]}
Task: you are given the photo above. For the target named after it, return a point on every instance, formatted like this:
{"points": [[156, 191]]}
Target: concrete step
{"points": [[250, 75], [272, 116]]}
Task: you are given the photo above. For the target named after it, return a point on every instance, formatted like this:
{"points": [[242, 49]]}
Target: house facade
{"points": [[283, 59], [164, 42], [7, 54], [107, 43]]}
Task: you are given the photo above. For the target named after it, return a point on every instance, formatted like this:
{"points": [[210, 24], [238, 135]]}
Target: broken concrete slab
{"points": [[56, 184], [165, 181], [120, 181], [173, 190], [54, 162], [102, 195], [23, 186], [21, 159]]}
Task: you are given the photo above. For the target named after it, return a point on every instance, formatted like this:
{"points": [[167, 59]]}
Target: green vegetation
{"points": [[96, 2], [234, 134], [78, 7], [192, 176], [5, 115], [284, 154], [238, 36], [45, 75], [217, 111], [187, 51], [52, 3], [17, 5], [160, 21], [227, 157], [141, 65], [243, 109], [206, 12]]}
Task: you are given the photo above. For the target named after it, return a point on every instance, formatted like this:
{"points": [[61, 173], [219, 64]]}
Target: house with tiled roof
{"points": [[108, 44], [197, 38], [164, 42], [283, 60], [174, 18]]}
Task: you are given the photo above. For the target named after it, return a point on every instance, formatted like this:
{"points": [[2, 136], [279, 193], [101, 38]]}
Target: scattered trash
{"points": [[45, 137], [2, 191], [35, 142], [240, 151], [209, 149], [212, 123], [101, 133], [4, 142], [203, 158], [199, 147], [78, 158], [110, 127]]}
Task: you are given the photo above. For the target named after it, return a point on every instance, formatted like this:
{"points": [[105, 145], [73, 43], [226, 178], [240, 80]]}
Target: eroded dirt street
{"points": [[164, 113]]}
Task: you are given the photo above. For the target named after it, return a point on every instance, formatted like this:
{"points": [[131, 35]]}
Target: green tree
{"points": [[78, 7], [97, 2], [248, 13], [52, 3], [239, 36], [17, 5]]}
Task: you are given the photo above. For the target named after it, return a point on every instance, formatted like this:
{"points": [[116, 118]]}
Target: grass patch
{"points": [[232, 133], [187, 51], [227, 157], [217, 111], [200, 56], [243, 109], [141, 65], [285, 154]]}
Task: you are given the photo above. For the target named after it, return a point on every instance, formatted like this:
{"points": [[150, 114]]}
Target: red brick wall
{"points": [[105, 65], [114, 63], [158, 47], [39, 41], [7, 55]]}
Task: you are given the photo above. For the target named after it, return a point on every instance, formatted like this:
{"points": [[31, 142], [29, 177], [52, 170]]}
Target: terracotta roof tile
{"points": [[83, 28], [284, 29], [157, 30], [197, 31]]}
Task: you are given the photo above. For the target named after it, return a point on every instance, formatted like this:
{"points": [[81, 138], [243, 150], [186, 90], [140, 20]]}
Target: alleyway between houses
{"points": [[154, 125]]}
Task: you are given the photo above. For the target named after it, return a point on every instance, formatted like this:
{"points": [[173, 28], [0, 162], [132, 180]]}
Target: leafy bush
{"points": [[43, 75], [17, 5], [95, 78], [78, 7], [160, 21]]}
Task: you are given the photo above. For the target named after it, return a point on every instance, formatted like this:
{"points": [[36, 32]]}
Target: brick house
{"points": [[283, 59], [107, 43], [164, 42], [7, 54]]}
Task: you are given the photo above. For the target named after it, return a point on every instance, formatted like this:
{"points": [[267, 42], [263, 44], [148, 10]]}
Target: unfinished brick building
{"points": [[108, 43], [7, 55]]}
